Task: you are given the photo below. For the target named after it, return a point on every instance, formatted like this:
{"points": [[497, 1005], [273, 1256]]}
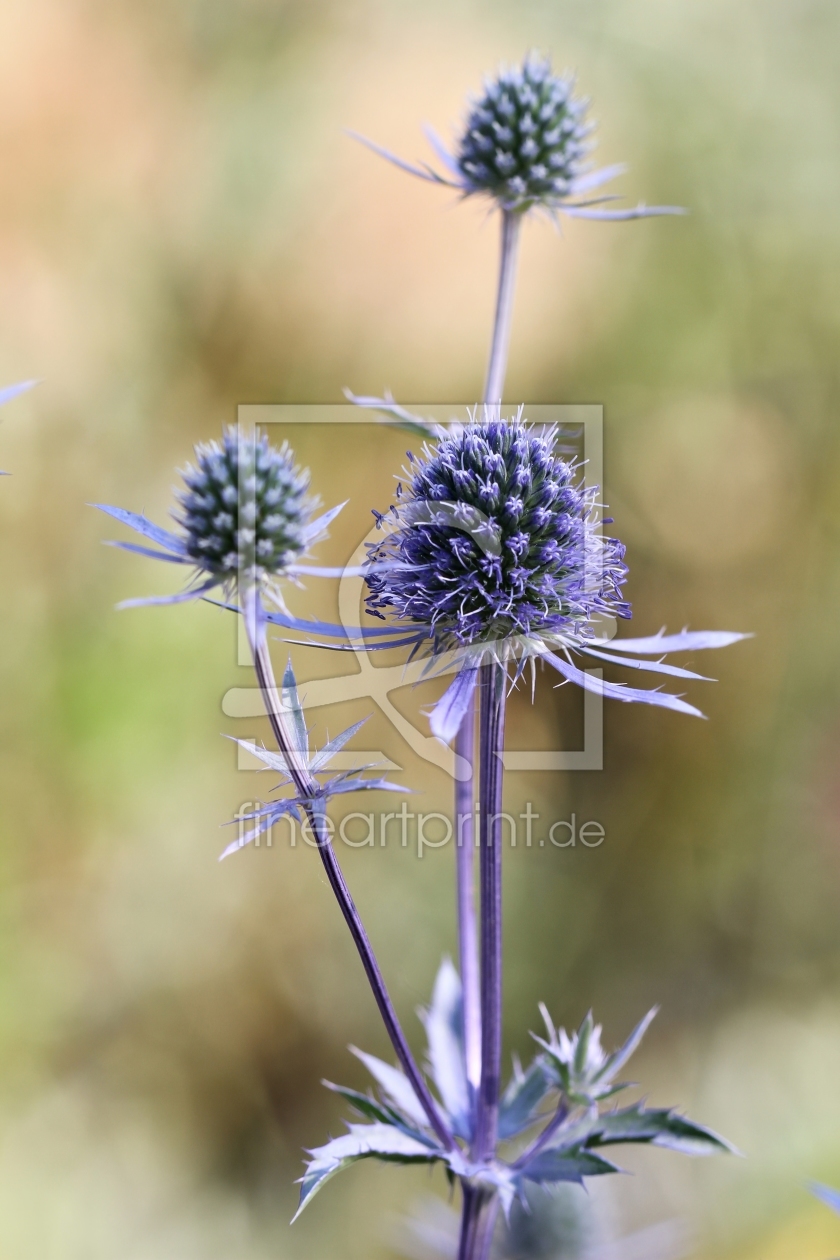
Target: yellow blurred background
{"points": [[185, 226]]}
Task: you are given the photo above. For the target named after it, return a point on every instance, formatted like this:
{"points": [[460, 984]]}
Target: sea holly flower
{"points": [[525, 144], [567, 1149], [245, 517], [494, 553]]}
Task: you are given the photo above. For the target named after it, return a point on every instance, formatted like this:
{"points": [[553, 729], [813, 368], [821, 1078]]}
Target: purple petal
{"points": [[147, 551], [162, 537], [315, 570], [449, 712], [830, 1197], [421, 172], [585, 183], [355, 634], [442, 152], [181, 598], [637, 212], [326, 518], [12, 391], [617, 691], [270, 818], [685, 641], [652, 667], [361, 785]]}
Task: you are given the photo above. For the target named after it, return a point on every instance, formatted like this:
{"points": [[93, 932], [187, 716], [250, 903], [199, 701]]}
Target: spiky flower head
{"points": [[245, 509], [496, 537], [525, 139], [245, 516]]}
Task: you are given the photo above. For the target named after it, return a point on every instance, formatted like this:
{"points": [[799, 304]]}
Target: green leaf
{"points": [[364, 1141], [616, 1061], [375, 1110], [572, 1164], [519, 1103], [396, 1086], [444, 1030], [582, 1045], [292, 706], [659, 1127]]}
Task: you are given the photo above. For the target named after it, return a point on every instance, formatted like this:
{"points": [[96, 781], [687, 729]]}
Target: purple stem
{"points": [[478, 1220], [465, 739], [493, 687], [511, 224], [542, 1139], [306, 786], [465, 879]]}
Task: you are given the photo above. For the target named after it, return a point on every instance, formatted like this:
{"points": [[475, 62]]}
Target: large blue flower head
{"points": [[494, 552], [497, 538], [525, 139]]}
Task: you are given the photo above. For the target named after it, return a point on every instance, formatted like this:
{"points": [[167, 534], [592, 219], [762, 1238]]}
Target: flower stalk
{"points": [[497, 366], [308, 789], [465, 739]]}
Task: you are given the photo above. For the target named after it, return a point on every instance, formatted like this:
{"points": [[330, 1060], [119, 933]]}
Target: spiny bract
{"points": [[245, 508], [496, 536], [525, 138]]}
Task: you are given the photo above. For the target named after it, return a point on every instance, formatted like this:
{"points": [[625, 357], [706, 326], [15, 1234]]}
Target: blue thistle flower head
{"points": [[525, 140], [245, 508], [496, 538], [526, 144], [245, 516]]}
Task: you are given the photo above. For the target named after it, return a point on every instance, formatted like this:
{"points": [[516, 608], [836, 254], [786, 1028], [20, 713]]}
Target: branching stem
{"points": [[307, 787]]}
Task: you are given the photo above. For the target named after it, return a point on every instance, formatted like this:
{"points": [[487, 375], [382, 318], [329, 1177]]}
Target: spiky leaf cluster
{"points": [[567, 1149], [525, 138], [315, 766], [496, 537], [245, 508]]}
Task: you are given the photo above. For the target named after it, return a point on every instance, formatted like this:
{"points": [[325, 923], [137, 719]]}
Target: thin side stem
{"points": [[492, 725], [541, 1141], [497, 366], [465, 880], [307, 787]]}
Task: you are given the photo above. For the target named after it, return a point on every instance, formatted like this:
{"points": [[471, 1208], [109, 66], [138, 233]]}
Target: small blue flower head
{"points": [[525, 139], [246, 518], [525, 144], [245, 508], [497, 537]]}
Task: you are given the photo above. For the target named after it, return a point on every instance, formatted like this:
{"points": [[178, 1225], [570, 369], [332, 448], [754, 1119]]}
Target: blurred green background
{"points": [[184, 226]]}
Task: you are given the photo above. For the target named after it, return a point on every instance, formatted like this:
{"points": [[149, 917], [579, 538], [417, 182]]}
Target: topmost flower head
{"points": [[525, 144], [525, 139], [246, 516]]}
